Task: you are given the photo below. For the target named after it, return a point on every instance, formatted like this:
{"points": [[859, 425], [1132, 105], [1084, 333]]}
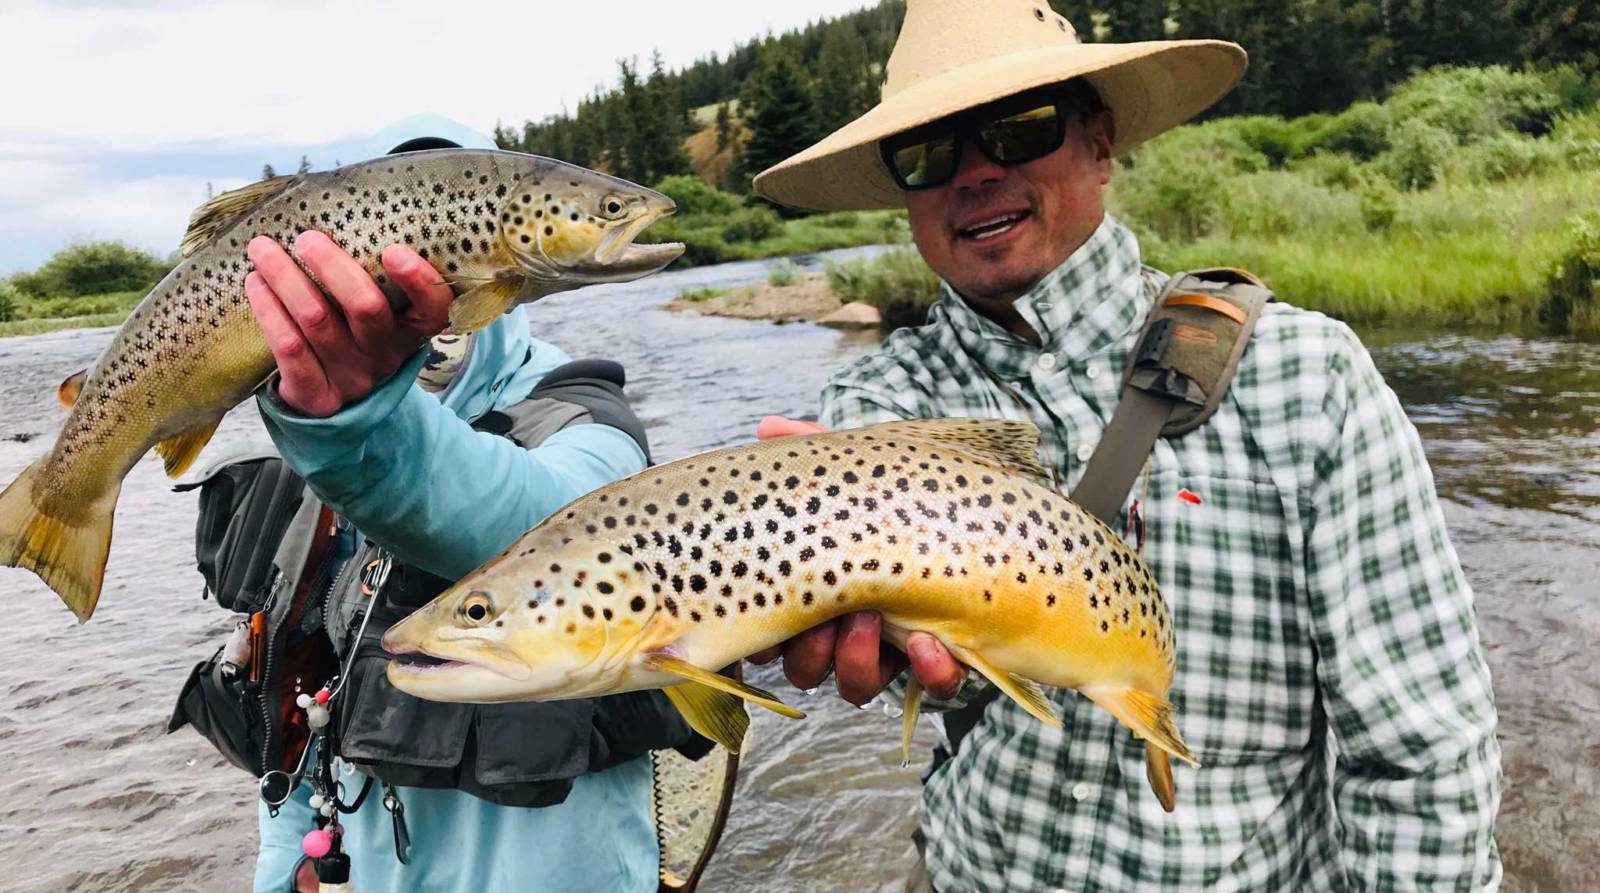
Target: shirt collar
{"points": [[1086, 306]]}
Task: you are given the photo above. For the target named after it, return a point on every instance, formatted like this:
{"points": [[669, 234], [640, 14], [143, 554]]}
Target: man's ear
{"points": [[1102, 128]]}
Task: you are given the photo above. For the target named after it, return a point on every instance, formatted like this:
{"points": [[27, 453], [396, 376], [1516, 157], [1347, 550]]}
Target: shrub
{"points": [[1277, 203], [10, 299], [1577, 140], [1418, 155], [1331, 169], [1473, 103], [751, 225], [838, 219], [696, 196], [1361, 130], [898, 283], [783, 273], [1573, 304], [1380, 203], [1507, 156], [1273, 137], [93, 268]]}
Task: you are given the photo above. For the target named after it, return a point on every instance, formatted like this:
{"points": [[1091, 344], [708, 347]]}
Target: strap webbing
{"points": [[1121, 453]]}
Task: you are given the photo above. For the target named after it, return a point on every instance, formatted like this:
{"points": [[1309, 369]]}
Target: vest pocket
{"points": [[382, 724]]}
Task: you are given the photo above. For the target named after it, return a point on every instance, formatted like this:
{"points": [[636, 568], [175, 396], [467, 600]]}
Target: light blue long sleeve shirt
{"points": [[408, 470]]}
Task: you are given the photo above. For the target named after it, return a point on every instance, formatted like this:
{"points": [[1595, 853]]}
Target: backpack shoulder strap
{"points": [[1179, 369]]}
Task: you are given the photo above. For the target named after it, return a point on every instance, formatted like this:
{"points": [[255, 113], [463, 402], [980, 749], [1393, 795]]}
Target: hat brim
{"points": [[1150, 88]]}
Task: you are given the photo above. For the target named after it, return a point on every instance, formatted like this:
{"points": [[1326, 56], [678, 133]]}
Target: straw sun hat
{"points": [[953, 55]]}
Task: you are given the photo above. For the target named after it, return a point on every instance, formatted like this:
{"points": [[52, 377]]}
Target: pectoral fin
{"points": [[909, 719], [482, 304], [180, 450], [714, 714], [663, 663], [69, 390], [1024, 691]]}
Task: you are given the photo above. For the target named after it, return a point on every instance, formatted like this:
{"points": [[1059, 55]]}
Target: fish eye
{"points": [[612, 207], [477, 607]]}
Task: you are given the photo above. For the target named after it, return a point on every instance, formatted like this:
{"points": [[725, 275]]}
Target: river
{"points": [[93, 795]]}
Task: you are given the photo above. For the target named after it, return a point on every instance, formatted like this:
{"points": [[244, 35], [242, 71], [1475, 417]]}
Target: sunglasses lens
{"points": [[925, 163], [1022, 136]]}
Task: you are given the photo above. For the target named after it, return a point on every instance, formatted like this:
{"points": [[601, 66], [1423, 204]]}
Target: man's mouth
{"points": [[992, 227]]}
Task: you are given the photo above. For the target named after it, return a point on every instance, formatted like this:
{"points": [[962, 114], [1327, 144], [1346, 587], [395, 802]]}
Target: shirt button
{"points": [[1084, 452], [1047, 361], [1093, 372], [1080, 791]]}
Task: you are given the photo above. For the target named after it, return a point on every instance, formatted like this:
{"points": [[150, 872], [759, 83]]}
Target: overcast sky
{"points": [[114, 114]]}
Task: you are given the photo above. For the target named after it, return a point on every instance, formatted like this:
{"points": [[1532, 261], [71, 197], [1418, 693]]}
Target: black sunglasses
{"points": [[1010, 131]]}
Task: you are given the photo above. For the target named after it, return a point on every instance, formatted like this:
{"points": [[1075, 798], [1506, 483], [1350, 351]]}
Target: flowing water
{"points": [[93, 795]]}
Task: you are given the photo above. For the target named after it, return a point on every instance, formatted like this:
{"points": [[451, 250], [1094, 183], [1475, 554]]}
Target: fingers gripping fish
{"points": [[942, 526], [501, 227]]}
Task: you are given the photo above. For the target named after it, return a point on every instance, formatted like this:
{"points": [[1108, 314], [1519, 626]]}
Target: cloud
{"points": [[117, 112]]}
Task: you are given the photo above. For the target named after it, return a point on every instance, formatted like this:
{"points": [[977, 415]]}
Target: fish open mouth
{"points": [[618, 251], [419, 662]]}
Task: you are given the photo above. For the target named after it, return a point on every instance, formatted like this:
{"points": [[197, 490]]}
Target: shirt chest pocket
{"points": [[1245, 689]]}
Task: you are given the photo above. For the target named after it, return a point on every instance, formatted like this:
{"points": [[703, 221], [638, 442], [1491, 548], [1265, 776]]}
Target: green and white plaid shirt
{"points": [[1330, 678]]}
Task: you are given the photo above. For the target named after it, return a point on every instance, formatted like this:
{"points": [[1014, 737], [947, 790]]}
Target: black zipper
{"points": [[266, 695]]}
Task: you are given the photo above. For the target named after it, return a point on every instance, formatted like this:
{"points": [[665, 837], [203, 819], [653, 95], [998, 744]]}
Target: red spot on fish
{"points": [[1189, 496]]}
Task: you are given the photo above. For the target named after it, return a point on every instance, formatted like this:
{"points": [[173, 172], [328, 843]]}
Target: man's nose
{"points": [[975, 169]]}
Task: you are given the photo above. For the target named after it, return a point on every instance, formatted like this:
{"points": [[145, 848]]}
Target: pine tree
{"points": [[669, 123], [305, 165], [724, 125], [777, 108], [843, 78], [267, 172]]}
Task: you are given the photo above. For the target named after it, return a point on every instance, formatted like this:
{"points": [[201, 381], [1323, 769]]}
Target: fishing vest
{"points": [[265, 545]]}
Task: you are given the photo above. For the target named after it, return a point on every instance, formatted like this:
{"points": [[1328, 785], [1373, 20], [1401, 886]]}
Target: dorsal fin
{"points": [[1008, 444], [224, 210]]}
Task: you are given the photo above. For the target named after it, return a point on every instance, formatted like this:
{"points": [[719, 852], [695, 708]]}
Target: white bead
{"points": [[326, 810], [303, 701], [317, 716], [316, 801]]}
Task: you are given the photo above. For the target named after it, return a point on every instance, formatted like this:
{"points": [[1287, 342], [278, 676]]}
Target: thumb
{"points": [[775, 426]]}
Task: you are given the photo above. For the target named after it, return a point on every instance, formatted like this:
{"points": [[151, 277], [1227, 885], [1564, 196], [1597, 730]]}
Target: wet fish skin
{"points": [[503, 228], [942, 526]]}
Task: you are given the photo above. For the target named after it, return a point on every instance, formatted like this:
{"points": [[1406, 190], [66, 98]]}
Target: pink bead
{"points": [[323, 695], [316, 844]]}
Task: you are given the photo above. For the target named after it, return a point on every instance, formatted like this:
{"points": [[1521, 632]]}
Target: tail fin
{"points": [[70, 556]]}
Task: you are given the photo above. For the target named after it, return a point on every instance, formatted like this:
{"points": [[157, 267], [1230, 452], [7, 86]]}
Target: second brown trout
{"points": [[943, 526], [501, 227]]}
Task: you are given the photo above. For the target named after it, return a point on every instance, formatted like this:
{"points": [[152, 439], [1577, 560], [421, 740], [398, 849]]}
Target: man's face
{"points": [[1054, 204]]}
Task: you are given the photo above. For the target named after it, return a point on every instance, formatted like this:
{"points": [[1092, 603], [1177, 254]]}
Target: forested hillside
{"points": [[774, 95]]}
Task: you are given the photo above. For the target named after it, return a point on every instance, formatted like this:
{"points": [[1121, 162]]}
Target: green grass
{"points": [[35, 316], [1470, 255], [700, 296], [40, 326]]}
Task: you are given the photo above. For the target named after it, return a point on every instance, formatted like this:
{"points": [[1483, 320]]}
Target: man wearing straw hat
{"points": [[1330, 679]]}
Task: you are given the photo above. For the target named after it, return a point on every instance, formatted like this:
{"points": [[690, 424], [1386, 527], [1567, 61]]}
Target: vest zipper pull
{"points": [[402, 837]]}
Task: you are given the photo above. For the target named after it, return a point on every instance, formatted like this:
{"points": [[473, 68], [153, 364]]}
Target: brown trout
{"points": [[943, 526], [501, 227]]}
